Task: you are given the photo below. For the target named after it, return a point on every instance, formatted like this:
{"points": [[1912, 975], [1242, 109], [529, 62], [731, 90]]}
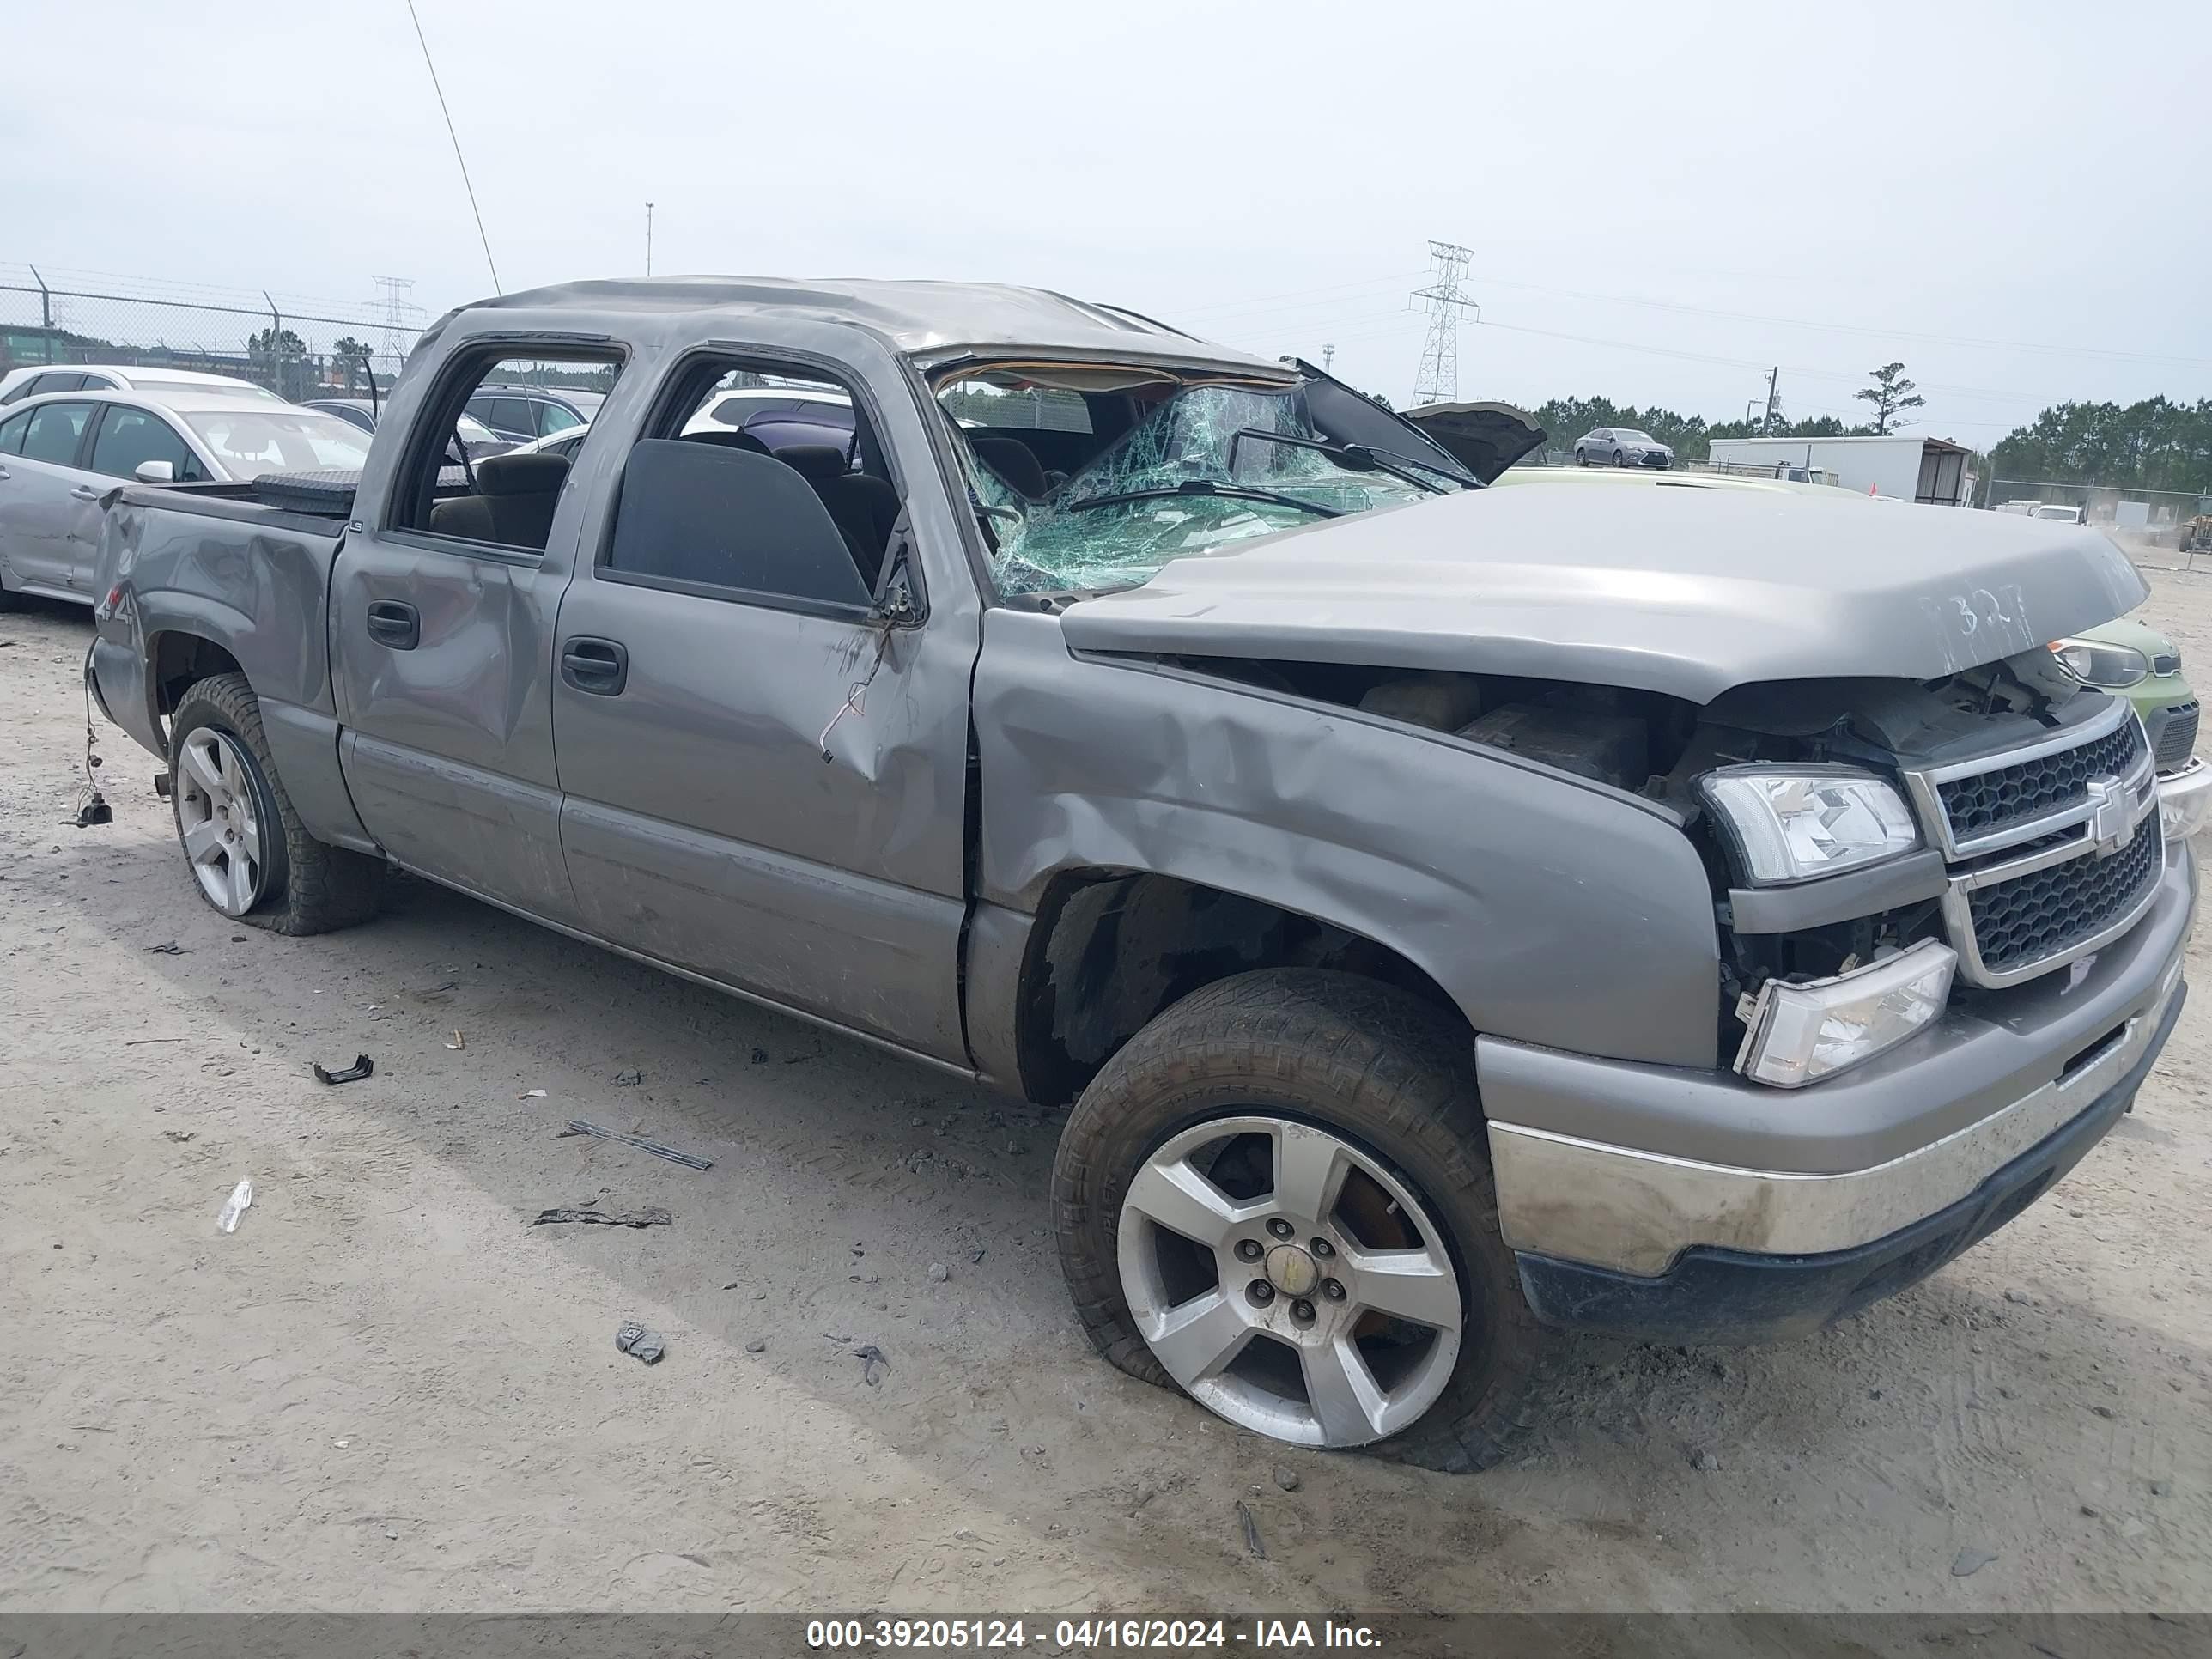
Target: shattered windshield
{"points": [[1193, 468]]}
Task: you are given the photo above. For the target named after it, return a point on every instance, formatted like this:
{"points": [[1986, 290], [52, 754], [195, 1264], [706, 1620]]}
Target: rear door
{"points": [[764, 785], [49, 503], [443, 601]]}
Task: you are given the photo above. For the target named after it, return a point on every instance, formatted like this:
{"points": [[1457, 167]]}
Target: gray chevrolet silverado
{"points": [[1454, 913]]}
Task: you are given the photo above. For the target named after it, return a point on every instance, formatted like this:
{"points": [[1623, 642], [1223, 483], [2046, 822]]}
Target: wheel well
{"points": [[182, 660], [1112, 949]]}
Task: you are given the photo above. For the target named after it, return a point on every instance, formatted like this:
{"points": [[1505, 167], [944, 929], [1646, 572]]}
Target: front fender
{"points": [[1552, 911]]}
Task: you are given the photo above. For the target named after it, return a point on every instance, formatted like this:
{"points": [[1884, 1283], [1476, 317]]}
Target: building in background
{"points": [[1908, 467]]}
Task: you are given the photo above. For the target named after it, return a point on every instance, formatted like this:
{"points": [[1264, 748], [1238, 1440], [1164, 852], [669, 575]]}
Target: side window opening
{"points": [[758, 480], [130, 437], [499, 489]]}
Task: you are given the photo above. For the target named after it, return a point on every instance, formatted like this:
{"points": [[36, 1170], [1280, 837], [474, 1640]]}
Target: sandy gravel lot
{"points": [[387, 1391]]}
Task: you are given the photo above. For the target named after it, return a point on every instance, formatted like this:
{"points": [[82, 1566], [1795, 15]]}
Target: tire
{"points": [[1618, 459], [1388, 1078], [1581, 460], [302, 886]]}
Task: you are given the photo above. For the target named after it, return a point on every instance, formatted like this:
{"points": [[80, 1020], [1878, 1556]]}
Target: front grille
{"points": [[2041, 915], [2177, 738], [1653, 460], [1990, 803]]}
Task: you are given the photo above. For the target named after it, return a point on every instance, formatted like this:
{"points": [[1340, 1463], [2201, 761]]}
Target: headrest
{"points": [[521, 475], [1014, 461], [744, 441], [816, 463]]}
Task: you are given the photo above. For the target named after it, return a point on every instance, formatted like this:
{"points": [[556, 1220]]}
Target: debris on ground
{"points": [[1968, 1562], [168, 948], [872, 1363], [241, 1196], [182, 1137], [634, 1339], [760, 1056], [531, 1094], [1703, 1460], [689, 1160], [134, 1043], [459, 1041], [1286, 1477], [362, 1067], [938, 1273], [757, 1344], [626, 1078], [588, 1217], [1251, 1531], [976, 1254]]}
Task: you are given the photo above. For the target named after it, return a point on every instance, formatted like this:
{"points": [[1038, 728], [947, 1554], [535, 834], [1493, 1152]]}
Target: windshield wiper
{"points": [[1204, 487], [1356, 457]]}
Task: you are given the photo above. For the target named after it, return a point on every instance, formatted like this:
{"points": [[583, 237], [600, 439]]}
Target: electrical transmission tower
{"points": [[396, 308], [1438, 381]]}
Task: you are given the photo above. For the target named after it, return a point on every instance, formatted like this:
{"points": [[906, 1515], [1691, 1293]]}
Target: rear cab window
{"points": [[502, 504]]}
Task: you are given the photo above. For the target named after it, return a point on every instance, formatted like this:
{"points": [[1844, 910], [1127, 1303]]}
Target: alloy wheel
{"points": [[220, 821], [1290, 1281]]}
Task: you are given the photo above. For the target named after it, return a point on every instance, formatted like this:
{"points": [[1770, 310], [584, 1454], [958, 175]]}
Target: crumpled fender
{"points": [[1552, 910]]}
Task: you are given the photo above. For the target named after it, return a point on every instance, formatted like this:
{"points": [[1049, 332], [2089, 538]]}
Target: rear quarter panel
{"points": [[254, 583]]}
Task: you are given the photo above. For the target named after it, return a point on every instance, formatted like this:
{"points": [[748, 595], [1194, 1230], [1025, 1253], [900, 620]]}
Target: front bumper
{"points": [[1741, 1297], [1654, 1174]]}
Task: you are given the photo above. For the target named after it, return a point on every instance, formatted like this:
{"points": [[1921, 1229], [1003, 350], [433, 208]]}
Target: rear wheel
{"points": [[248, 853], [1276, 1198]]}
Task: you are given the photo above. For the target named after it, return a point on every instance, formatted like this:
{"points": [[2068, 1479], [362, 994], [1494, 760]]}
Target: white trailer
{"points": [[1909, 468]]}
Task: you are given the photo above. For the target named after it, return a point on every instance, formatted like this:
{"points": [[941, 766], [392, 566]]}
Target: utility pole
{"points": [[1773, 379], [1437, 381], [648, 239], [1328, 360]]}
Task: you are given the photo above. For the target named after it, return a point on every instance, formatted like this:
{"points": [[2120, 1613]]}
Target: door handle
{"points": [[85, 493], [598, 666], [394, 623]]}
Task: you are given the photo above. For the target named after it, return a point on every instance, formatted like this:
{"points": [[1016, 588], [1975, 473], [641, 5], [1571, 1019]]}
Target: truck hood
{"points": [[1677, 589]]}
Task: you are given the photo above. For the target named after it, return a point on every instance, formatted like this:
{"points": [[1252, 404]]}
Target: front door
{"points": [[769, 790], [443, 602]]}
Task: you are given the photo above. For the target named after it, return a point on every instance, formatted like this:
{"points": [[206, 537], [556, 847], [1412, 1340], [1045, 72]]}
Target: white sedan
{"points": [[59, 454]]}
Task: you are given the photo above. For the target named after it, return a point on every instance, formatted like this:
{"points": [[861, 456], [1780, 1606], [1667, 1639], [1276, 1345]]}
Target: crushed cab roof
{"points": [[918, 318]]}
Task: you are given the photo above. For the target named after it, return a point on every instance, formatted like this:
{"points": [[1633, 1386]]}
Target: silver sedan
{"points": [[60, 452], [1621, 446]]}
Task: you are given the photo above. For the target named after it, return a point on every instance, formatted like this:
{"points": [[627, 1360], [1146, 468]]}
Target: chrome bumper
{"points": [[1566, 1193]]}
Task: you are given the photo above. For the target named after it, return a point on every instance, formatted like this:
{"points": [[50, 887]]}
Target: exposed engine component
{"points": [[1615, 748]]}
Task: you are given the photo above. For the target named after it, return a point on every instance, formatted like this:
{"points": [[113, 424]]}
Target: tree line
{"points": [[2156, 444]]}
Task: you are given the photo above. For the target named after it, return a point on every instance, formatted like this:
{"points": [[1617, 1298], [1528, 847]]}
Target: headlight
{"points": [[1793, 824], [2184, 801], [2094, 663], [1799, 1034]]}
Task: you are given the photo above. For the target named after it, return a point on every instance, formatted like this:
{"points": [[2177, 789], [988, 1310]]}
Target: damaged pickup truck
{"points": [[1453, 913]]}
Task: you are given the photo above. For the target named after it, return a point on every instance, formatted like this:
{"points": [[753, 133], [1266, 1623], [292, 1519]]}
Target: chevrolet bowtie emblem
{"points": [[2111, 816]]}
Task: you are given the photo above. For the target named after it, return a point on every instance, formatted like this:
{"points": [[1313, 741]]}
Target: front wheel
{"points": [[1619, 459], [248, 852], [1276, 1197]]}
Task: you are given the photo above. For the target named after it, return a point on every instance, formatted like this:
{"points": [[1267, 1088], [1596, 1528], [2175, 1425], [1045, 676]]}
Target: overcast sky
{"points": [[2012, 199]]}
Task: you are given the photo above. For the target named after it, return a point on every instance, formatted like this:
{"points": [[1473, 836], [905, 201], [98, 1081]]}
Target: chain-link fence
{"points": [[2157, 518], [296, 348]]}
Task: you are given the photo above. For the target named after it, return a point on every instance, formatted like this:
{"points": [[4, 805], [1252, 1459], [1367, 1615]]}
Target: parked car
{"points": [[1455, 911], [2143, 665], [360, 413], [37, 381], [523, 413], [60, 453], [1621, 446]]}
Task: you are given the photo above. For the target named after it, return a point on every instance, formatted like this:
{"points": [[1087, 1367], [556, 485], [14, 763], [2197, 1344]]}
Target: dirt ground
{"points": [[387, 1391]]}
